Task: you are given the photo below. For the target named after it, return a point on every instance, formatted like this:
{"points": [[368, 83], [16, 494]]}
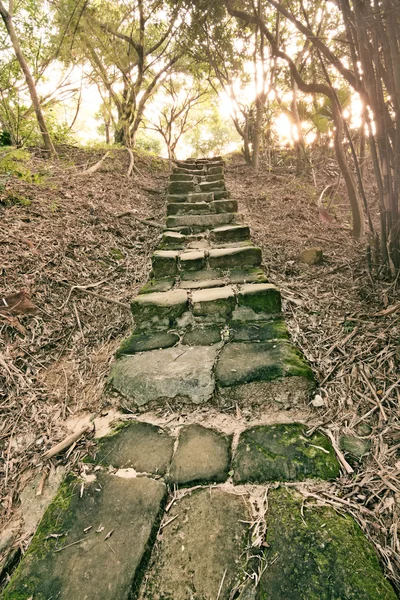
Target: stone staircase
{"points": [[197, 512]]}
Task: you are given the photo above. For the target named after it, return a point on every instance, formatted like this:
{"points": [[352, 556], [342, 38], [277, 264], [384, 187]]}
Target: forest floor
{"points": [[80, 254]]}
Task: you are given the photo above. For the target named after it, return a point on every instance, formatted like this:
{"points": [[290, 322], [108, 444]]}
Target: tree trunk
{"points": [[7, 18], [355, 203], [257, 130]]}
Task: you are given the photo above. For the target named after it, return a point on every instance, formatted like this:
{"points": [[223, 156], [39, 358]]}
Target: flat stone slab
{"points": [[202, 456], [142, 342], [202, 275], [89, 565], [137, 445], [200, 197], [314, 553], [199, 285], [180, 187], [234, 257], [248, 275], [215, 302], [207, 186], [172, 240], [202, 336], [193, 260], [283, 453], [200, 554], [260, 297], [189, 208], [247, 362], [159, 310], [202, 221], [224, 206], [227, 233], [164, 263], [179, 373], [260, 331], [157, 285]]}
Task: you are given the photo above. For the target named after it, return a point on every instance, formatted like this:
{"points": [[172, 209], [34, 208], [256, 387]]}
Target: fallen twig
{"points": [[338, 452], [96, 166], [68, 441], [99, 296], [129, 213]]}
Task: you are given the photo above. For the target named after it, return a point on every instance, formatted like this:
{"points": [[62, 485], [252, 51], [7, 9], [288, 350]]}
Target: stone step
{"points": [[172, 375], [200, 197], [173, 240], [216, 304], [181, 187], [210, 186], [193, 208], [221, 194], [201, 553], [173, 198], [159, 310], [165, 263], [313, 552], [212, 177], [194, 260], [228, 258], [190, 208], [224, 206], [202, 222], [70, 556], [143, 342], [215, 170], [230, 233], [182, 176], [257, 373]]}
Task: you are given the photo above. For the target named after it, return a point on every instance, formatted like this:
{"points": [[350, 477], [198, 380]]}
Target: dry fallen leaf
{"points": [[18, 304]]}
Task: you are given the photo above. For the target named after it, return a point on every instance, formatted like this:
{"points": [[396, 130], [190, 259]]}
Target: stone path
{"points": [[199, 513]]}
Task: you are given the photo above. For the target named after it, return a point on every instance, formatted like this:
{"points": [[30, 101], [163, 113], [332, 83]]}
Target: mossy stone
{"points": [[354, 447], [165, 263], [138, 445], [315, 554], [260, 297], [262, 331], [157, 285], [202, 336], [202, 456], [158, 310], [141, 342], [283, 453], [87, 566], [260, 361]]}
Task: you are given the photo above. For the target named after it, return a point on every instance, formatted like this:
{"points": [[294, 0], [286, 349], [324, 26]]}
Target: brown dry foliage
{"points": [[347, 323], [74, 256]]}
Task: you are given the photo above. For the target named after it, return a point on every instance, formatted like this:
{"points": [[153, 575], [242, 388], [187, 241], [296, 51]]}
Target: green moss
{"points": [[283, 453], [56, 513], [157, 285], [297, 365], [56, 520], [316, 554]]}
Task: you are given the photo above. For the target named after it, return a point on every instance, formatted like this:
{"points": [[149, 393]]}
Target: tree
{"points": [[130, 47], [372, 35], [173, 119], [319, 88], [7, 16]]}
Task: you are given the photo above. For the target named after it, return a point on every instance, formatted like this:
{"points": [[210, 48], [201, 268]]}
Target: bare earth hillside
{"points": [[77, 252]]}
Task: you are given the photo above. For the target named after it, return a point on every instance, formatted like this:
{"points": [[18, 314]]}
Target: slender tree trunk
{"points": [[257, 130], [107, 129], [355, 202], [7, 18]]}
